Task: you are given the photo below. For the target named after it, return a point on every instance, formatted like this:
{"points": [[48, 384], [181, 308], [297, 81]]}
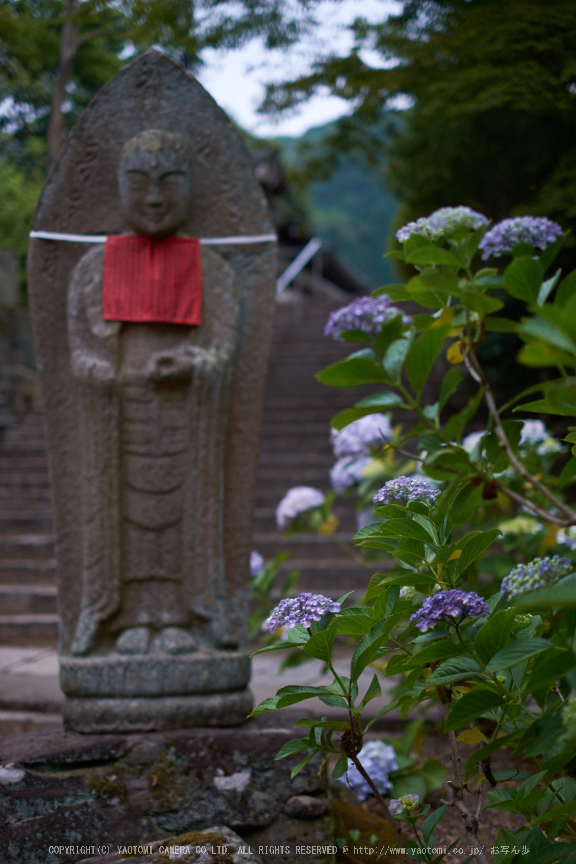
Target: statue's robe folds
{"points": [[153, 541]]}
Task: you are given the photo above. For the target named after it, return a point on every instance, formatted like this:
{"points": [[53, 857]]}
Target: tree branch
{"points": [[473, 367]]}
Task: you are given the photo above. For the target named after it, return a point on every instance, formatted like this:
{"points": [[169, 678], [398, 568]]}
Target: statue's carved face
{"points": [[155, 184]]}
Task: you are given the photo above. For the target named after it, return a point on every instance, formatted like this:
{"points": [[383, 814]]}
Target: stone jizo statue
{"points": [[153, 353]]}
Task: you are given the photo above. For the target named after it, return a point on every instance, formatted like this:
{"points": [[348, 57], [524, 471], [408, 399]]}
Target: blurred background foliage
{"points": [[470, 102]]}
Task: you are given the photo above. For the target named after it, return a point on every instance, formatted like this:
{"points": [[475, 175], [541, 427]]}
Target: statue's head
{"points": [[155, 182]]}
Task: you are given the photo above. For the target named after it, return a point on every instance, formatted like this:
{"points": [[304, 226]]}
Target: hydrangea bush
{"points": [[455, 500]]}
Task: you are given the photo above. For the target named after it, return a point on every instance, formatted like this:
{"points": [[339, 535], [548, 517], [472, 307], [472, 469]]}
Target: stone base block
{"points": [[148, 714], [66, 797], [126, 677]]}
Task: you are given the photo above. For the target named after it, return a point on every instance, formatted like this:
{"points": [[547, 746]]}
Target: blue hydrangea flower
{"points": [[347, 472], [300, 610], [256, 563], [405, 489], [537, 574], [378, 760], [368, 314], [358, 437], [297, 500], [443, 222], [503, 237], [450, 606]]}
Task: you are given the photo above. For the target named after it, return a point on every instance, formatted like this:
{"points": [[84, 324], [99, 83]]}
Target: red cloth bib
{"points": [[152, 279]]}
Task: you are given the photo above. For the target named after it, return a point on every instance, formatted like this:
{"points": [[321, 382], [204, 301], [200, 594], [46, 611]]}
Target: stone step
{"points": [[25, 520], [14, 463], [25, 481], [21, 722], [28, 599], [27, 546], [28, 572], [29, 629]]}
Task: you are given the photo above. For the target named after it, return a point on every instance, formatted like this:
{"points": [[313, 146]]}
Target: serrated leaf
{"points": [[320, 644], [471, 736], [422, 355], [475, 548], [494, 634], [358, 368], [522, 279], [427, 255], [407, 528], [517, 652], [471, 706], [454, 670]]}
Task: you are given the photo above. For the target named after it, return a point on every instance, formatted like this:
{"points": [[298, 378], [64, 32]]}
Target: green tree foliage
{"points": [[493, 89], [55, 54]]}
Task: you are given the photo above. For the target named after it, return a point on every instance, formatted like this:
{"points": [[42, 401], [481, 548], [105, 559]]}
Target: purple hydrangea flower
{"points": [[405, 489], [347, 472], [297, 500], [451, 606], [358, 437], [404, 804], [537, 574], [378, 760], [256, 563], [442, 222], [503, 237], [300, 610], [368, 314]]}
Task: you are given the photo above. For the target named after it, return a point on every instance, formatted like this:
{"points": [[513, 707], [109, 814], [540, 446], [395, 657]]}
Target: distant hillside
{"points": [[351, 211]]}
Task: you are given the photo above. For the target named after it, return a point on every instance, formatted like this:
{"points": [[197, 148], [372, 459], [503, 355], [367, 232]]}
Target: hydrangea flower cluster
{"points": [[404, 804], [297, 500], [503, 237], [358, 437], [442, 222], [534, 432], [347, 472], [451, 606], [520, 525], [407, 592], [567, 537], [378, 760], [537, 574], [256, 563], [368, 314], [300, 610], [405, 489]]}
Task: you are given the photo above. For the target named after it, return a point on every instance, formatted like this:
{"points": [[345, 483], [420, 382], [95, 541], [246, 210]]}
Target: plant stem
{"points": [[476, 372]]}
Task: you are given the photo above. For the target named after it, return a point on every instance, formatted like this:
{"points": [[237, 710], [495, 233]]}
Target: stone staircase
{"points": [[28, 593], [295, 447], [295, 451]]}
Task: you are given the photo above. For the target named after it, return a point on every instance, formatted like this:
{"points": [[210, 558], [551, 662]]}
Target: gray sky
{"points": [[236, 79]]}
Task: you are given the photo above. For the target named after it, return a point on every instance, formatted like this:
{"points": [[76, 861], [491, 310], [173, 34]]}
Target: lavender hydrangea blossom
{"points": [[347, 472], [256, 563], [297, 500], [405, 489], [503, 237], [451, 606], [404, 804], [358, 437], [537, 574], [368, 314], [378, 760], [442, 222], [567, 537], [300, 610]]}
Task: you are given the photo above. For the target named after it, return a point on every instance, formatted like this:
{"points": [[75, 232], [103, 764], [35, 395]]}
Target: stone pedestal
{"points": [[67, 797], [137, 694]]}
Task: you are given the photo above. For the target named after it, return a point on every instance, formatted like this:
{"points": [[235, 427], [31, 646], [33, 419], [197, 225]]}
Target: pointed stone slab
{"points": [[81, 196]]}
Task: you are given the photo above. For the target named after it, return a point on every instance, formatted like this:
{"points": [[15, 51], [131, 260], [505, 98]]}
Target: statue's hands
{"points": [[93, 369], [175, 366], [169, 366]]}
